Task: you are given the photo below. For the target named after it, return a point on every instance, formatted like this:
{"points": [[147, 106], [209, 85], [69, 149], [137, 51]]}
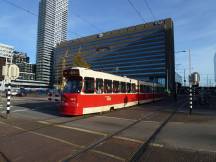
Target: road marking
{"points": [[150, 121], [74, 128], [47, 136], [109, 155], [68, 143], [156, 145], [3, 123], [20, 110], [57, 139], [43, 122], [94, 132], [112, 117], [176, 122], [129, 139], [82, 130]]}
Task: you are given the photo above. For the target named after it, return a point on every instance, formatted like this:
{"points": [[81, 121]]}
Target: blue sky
{"points": [[194, 25]]}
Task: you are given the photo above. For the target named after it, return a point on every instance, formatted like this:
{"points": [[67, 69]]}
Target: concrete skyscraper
{"points": [[52, 29], [215, 67]]}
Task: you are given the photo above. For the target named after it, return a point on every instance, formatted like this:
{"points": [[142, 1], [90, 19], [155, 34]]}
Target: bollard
{"points": [[8, 98], [190, 100], [56, 97], [50, 96]]}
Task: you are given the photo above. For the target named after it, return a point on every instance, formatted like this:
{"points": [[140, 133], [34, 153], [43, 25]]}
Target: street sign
{"points": [[4, 70], [195, 78], [13, 72], [10, 72]]}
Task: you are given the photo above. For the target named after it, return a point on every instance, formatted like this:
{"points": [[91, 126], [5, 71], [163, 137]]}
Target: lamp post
{"points": [[189, 80], [189, 64]]}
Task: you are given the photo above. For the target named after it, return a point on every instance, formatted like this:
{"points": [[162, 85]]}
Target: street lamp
{"points": [[189, 63], [190, 86]]}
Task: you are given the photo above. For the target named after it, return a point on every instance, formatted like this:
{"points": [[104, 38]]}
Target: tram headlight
{"points": [[73, 99]]}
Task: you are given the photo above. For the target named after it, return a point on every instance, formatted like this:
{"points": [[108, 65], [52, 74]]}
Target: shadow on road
{"points": [[51, 108]]}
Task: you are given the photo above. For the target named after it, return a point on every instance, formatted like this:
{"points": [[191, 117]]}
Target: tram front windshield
{"points": [[73, 85]]}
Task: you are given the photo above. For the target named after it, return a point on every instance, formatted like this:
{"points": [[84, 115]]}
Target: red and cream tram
{"points": [[87, 91]]}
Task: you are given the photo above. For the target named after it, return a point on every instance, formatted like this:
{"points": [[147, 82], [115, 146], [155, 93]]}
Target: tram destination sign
{"points": [[71, 72]]}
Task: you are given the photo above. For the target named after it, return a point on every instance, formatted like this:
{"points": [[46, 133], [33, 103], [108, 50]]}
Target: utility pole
{"points": [[184, 79], [167, 82], [189, 65], [190, 86]]}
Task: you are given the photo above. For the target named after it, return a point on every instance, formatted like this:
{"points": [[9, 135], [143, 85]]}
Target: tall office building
{"points": [[52, 29], [144, 52], [215, 67], [6, 55]]}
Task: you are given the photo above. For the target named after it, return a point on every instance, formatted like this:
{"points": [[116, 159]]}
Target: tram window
{"points": [[151, 89], [157, 89], [116, 87], [142, 88], [123, 87], [128, 87], [137, 88], [133, 89], [146, 89], [88, 85], [107, 86], [99, 85], [73, 85]]}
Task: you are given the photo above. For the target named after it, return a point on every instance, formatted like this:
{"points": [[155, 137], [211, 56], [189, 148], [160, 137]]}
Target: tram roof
{"points": [[85, 72]]}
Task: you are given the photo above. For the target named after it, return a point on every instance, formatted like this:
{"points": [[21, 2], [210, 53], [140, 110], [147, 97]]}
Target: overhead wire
{"points": [[34, 14], [87, 21], [150, 10], [136, 10], [19, 7]]}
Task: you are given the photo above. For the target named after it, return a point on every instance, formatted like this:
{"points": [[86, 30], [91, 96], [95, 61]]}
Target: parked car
{"points": [[22, 92], [14, 92]]}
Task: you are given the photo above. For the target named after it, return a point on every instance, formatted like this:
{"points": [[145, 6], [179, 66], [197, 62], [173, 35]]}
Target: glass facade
{"points": [[27, 70], [144, 52], [52, 29]]}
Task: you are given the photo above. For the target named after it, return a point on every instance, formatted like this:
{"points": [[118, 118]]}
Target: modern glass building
{"points": [[52, 29], [215, 67], [27, 70], [6, 55], [144, 52]]}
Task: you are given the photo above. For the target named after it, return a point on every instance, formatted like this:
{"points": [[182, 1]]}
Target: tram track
{"points": [[137, 155], [109, 136], [33, 131], [91, 147], [47, 124], [84, 148]]}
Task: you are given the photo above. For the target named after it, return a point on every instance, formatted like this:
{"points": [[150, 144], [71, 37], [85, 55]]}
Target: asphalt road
{"points": [[35, 131]]}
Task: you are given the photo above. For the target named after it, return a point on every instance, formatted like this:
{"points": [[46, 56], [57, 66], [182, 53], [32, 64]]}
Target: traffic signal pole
{"points": [[190, 85], [8, 98]]}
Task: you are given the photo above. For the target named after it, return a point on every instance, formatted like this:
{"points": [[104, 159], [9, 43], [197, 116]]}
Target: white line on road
{"points": [[69, 143], [74, 128], [112, 117], [82, 130], [20, 110], [129, 139]]}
